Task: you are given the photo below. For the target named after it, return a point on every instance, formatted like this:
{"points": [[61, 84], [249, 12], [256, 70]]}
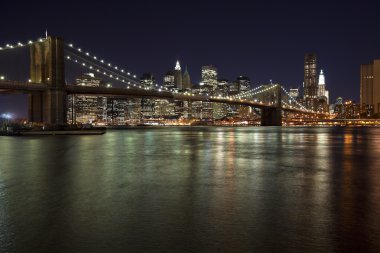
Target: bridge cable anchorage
{"points": [[10, 46]]}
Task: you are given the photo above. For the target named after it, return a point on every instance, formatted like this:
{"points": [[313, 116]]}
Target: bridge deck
{"points": [[15, 86]]}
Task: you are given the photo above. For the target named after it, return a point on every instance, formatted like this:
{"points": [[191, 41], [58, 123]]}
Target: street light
{"points": [[2, 77]]}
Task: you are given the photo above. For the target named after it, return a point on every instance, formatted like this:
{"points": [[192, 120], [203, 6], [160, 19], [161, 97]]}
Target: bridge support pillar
{"points": [[35, 107], [47, 67], [271, 117]]}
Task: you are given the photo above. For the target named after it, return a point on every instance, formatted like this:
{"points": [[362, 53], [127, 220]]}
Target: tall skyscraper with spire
{"points": [[321, 84], [178, 76], [322, 91], [186, 81]]}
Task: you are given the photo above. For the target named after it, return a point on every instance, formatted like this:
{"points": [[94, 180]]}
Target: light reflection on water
{"points": [[192, 189]]}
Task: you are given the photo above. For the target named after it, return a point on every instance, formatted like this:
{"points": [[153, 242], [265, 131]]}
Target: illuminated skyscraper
{"points": [[87, 109], [244, 83], [169, 80], [370, 88], [294, 93], [323, 94], [178, 76], [322, 91], [321, 85], [208, 86], [148, 81], [147, 104], [209, 78], [310, 81]]}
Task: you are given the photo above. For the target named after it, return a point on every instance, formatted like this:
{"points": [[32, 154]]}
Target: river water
{"points": [[199, 189]]}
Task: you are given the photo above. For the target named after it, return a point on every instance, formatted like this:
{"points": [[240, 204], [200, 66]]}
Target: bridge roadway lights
{"points": [[271, 117]]}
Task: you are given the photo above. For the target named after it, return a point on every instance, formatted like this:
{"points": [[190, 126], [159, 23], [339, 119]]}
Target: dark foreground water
{"points": [[192, 190]]}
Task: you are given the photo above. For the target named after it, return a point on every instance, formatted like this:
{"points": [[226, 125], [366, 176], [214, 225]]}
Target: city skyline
{"points": [[243, 41]]}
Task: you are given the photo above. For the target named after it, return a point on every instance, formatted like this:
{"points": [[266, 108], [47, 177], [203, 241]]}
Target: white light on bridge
{"points": [[71, 45], [2, 77]]}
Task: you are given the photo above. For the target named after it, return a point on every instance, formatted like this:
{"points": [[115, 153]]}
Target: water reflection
{"points": [[193, 189]]}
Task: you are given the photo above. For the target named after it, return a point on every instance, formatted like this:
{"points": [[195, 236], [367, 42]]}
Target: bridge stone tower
{"points": [[272, 116], [47, 67]]}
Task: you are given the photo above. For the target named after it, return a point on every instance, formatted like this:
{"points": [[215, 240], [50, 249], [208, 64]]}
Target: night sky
{"points": [[261, 39]]}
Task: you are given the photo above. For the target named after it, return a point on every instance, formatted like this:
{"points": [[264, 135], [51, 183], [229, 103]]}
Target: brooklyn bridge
{"points": [[48, 91]]}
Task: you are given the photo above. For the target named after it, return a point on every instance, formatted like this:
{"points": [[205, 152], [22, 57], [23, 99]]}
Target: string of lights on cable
{"points": [[9, 46], [100, 61]]}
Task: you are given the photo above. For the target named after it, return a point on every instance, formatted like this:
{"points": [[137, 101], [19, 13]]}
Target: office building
{"points": [[370, 88], [86, 109], [244, 83], [147, 81], [294, 93], [208, 86], [209, 78], [310, 81], [169, 80]]}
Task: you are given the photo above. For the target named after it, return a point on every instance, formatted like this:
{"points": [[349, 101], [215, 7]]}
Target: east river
{"points": [[199, 189]]}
